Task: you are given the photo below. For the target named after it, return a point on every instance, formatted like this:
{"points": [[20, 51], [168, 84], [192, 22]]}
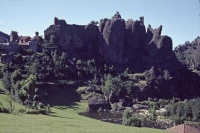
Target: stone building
{"points": [[16, 42], [13, 36], [26, 42], [24, 39]]}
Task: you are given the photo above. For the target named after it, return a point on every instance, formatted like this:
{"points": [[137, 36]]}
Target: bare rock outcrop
{"points": [[79, 41], [119, 42], [113, 35], [95, 103], [4, 38]]}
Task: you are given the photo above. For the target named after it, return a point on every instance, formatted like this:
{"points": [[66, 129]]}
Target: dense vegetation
{"points": [[63, 119], [189, 110], [24, 74]]}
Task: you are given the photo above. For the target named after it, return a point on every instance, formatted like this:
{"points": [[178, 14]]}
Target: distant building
{"points": [[13, 36], [25, 42], [24, 39]]}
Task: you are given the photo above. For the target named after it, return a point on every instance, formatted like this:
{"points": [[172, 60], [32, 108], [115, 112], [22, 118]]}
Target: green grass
{"points": [[64, 119], [1, 85]]}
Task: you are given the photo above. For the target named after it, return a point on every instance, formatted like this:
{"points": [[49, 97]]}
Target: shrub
{"points": [[131, 120], [11, 106], [178, 121], [37, 112], [3, 110], [22, 110]]}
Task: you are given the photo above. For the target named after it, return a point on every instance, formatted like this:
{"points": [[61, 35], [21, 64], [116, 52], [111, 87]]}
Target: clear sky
{"points": [[180, 18]]}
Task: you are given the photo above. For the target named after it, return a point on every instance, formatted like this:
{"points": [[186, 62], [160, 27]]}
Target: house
{"points": [[26, 42], [24, 39], [183, 129]]}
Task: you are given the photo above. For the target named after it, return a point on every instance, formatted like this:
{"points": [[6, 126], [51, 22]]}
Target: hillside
{"points": [[62, 119], [189, 54]]}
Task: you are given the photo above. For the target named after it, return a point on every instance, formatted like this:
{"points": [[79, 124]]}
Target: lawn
{"points": [[63, 119]]}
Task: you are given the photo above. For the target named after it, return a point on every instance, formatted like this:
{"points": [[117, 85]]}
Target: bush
{"points": [[37, 112], [10, 106], [3, 110], [178, 121], [130, 120], [22, 110]]}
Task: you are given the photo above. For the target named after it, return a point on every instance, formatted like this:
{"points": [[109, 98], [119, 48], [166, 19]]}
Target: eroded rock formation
{"points": [[125, 43], [4, 38], [188, 54]]}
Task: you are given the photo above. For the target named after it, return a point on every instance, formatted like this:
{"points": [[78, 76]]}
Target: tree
{"points": [[152, 110], [126, 71], [36, 33], [53, 40], [34, 68], [11, 106], [7, 81], [113, 84], [187, 111], [180, 110], [63, 58], [94, 22], [108, 85], [16, 76], [196, 110], [28, 85], [15, 89], [129, 119]]}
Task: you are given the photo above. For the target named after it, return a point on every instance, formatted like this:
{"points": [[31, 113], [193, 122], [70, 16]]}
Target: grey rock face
{"points": [[115, 40], [95, 103], [156, 42], [4, 37], [113, 34], [188, 54], [79, 41]]}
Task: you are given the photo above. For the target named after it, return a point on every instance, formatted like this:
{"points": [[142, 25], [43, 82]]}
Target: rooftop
{"points": [[183, 128]]}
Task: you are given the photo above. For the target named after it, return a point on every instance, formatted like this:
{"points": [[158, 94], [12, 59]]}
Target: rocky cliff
{"points": [[125, 43], [4, 37], [188, 54], [79, 41]]}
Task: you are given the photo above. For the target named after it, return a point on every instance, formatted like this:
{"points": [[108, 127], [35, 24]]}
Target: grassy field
{"points": [[64, 119]]}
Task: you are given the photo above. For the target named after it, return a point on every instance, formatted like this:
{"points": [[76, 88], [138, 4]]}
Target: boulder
{"points": [[95, 103], [140, 106]]}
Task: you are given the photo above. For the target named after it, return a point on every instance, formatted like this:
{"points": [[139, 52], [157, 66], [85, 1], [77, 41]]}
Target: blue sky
{"points": [[180, 18]]}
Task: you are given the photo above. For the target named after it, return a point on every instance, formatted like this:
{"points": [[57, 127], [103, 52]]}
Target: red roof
{"points": [[183, 129], [24, 37]]}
